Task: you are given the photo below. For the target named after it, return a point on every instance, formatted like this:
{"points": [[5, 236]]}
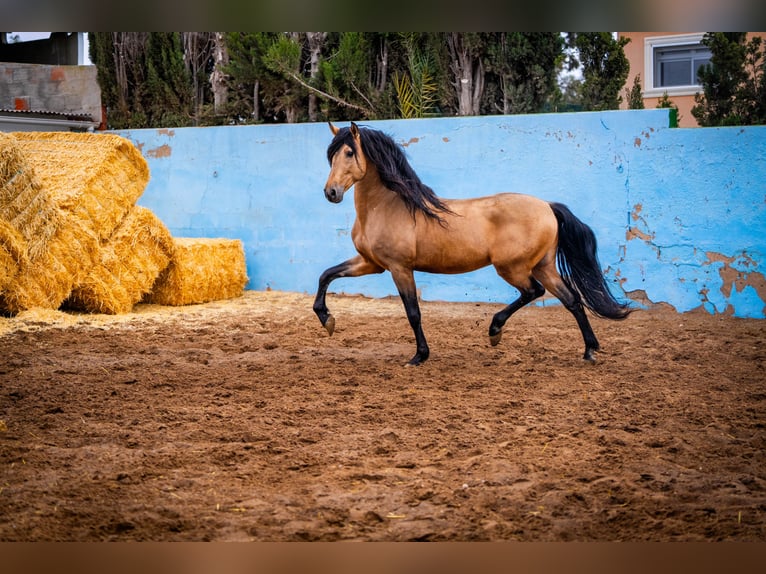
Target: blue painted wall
{"points": [[680, 214]]}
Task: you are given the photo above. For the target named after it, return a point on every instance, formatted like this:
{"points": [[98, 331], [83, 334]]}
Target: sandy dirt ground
{"points": [[243, 420]]}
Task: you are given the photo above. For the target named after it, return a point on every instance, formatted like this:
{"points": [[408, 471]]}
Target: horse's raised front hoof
{"points": [[495, 339], [589, 356], [329, 324]]}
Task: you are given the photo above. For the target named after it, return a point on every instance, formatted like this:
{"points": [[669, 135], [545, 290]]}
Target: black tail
{"points": [[580, 268]]}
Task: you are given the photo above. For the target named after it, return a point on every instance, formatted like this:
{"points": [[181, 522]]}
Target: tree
{"points": [[315, 41], [734, 83], [466, 52], [605, 69], [525, 67], [168, 99], [198, 53], [284, 57], [121, 74], [143, 79], [634, 96], [218, 75], [173, 79], [353, 74], [248, 75]]}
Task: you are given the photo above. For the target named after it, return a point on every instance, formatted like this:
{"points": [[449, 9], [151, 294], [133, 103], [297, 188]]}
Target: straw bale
{"points": [[91, 181], [24, 204], [13, 252], [96, 178], [47, 280], [201, 270], [129, 263]]}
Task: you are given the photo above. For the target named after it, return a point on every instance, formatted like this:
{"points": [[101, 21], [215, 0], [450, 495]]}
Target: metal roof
{"points": [[45, 120], [71, 116]]}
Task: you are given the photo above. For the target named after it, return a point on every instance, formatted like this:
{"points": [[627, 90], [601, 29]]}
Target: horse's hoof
{"points": [[417, 360], [495, 339], [589, 357], [330, 324]]}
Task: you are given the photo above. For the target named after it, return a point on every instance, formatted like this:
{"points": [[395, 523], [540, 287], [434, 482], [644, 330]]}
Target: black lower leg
{"points": [[499, 319], [413, 315], [408, 293], [589, 337], [320, 305], [573, 304]]}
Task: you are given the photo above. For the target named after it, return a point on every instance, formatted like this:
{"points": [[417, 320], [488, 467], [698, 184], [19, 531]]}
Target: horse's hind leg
{"points": [[529, 291], [354, 267], [571, 300]]}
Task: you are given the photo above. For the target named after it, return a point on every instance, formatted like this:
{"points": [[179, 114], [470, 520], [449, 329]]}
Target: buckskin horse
{"points": [[402, 226]]}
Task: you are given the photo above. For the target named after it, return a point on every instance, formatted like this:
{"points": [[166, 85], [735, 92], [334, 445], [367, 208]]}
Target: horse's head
{"points": [[347, 162]]}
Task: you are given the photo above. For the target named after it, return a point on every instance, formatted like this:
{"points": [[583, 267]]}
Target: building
{"points": [[667, 62], [45, 86]]}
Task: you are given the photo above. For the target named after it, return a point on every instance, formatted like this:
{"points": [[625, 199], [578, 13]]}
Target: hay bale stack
{"points": [[129, 263], [48, 280], [13, 253], [201, 270], [92, 181], [70, 231], [96, 178], [24, 204]]}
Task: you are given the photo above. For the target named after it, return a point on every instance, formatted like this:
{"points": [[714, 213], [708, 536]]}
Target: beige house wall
{"points": [[635, 52]]}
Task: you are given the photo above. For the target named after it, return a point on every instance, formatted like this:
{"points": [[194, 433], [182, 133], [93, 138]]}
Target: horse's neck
{"points": [[369, 192]]}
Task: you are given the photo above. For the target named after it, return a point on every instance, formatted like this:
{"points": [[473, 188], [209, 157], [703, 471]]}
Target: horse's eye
{"points": [[349, 153]]}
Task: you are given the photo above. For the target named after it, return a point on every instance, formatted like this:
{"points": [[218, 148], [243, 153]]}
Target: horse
{"points": [[402, 226]]}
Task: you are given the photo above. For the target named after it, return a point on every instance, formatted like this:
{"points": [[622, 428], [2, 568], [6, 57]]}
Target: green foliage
{"points": [[416, 87], [163, 79], [249, 77], [349, 64], [347, 76], [567, 98], [143, 79], [284, 55], [734, 82], [168, 84], [525, 67], [635, 98], [283, 58], [100, 49], [605, 69], [666, 102]]}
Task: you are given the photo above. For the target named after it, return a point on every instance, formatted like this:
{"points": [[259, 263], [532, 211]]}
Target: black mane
{"points": [[389, 159]]}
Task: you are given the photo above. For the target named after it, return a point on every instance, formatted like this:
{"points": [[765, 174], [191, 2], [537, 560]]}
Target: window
{"points": [[671, 64], [678, 65]]}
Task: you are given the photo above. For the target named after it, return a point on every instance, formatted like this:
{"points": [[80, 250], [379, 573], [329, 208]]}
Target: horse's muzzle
{"points": [[334, 193]]}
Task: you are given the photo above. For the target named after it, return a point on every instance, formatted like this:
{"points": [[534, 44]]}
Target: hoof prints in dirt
{"points": [[245, 421]]}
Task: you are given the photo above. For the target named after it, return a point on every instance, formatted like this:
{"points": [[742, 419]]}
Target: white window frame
{"points": [[653, 42]]}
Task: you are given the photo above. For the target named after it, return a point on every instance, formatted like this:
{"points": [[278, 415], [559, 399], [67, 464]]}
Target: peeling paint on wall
{"points": [[738, 273], [162, 151]]}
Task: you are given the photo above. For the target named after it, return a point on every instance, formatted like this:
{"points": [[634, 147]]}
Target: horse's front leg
{"points": [[354, 267], [405, 284]]}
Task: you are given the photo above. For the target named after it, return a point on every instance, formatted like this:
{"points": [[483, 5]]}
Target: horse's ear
{"points": [[333, 129], [354, 131]]}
